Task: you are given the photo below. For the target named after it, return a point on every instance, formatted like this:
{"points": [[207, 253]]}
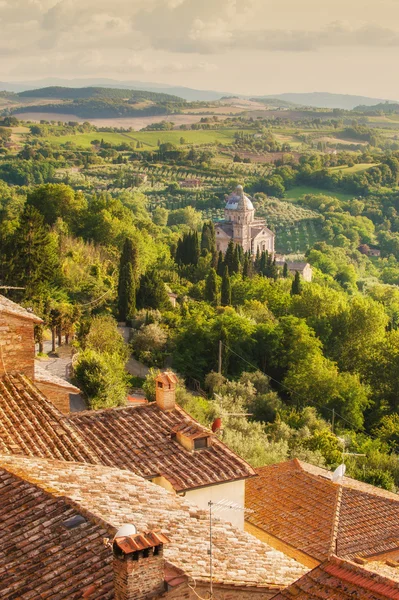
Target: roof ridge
{"points": [[335, 528]]}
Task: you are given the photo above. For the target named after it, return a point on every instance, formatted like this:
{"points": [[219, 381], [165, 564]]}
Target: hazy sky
{"points": [[247, 46]]}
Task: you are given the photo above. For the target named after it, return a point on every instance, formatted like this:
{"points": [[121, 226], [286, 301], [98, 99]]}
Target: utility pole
{"points": [[333, 420], [220, 357]]}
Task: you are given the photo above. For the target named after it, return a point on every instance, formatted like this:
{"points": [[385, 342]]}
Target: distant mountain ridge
{"points": [[90, 93], [313, 99], [326, 100]]}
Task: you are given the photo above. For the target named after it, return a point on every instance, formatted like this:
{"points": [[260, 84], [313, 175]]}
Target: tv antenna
{"points": [[215, 507], [339, 473]]}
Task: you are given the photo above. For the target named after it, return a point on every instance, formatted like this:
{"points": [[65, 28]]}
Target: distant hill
{"points": [[186, 93], [325, 100], [89, 93], [386, 108], [276, 101]]}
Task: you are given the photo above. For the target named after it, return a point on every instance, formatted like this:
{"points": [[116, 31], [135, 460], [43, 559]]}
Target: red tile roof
{"points": [[39, 556], [301, 506], [31, 425], [139, 438], [340, 580], [116, 496]]}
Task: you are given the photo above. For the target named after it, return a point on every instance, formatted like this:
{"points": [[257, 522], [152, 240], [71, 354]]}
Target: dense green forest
{"points": [[104, 232]]}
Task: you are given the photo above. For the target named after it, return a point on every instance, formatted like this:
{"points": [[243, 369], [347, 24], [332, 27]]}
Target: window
{"points": [[200, 443], [73, 522], [160, 384]]}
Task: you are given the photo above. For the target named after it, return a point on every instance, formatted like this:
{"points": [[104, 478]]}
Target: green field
{"points": [[148, 138], [355, 169], [297, 192]]}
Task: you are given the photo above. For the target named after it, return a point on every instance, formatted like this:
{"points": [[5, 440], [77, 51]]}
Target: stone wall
{"points": [[17, 345], [226, 592], [58, 395]]}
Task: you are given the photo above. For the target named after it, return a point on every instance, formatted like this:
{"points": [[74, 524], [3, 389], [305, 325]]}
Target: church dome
{"points": [[238, 200]]}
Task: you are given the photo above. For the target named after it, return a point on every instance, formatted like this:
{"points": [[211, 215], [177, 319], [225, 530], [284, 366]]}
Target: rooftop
{"points": [[44, 376], [33, 426], [16, 310], [340, 580], [141, 438], [112, 497], [301, 506]]}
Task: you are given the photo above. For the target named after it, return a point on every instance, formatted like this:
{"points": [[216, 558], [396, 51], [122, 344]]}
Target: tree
{"points": [[296, 288], [152, 292], [211, 288], [229, 256], [187, 251], [220, 265], [57, 200], [127, 281], [104, 337], [285, 271], [226, 288], [34, 259], [160, 216], [208, 238], [102, 378]]}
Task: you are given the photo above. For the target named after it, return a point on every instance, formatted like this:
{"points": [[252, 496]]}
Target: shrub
{"points": [[102, 378]]}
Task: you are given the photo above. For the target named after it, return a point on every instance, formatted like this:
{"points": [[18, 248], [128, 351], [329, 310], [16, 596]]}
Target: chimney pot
{"points": [[165, 390]]}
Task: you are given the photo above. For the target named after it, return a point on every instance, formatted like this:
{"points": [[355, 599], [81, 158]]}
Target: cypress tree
{"points": [[211, 288], [152, 292], [226, 288], [126, 293], [236, 268], [247, 270], [273, 270], [220, 265], [229, 256], [296, 288], [285, 271], [127, 280], [257, 261], [208, 238]]}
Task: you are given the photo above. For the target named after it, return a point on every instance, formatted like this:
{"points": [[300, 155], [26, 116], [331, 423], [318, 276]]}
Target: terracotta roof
{"points": [[117, 497], [31, 425], [139, 438], [40, 557], [11, 308], [168, 378], [44, 376], [300, 505], [141, 541], [340, 580]]}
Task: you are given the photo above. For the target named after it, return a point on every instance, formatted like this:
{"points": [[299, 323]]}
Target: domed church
{"points": [[241, 226]]}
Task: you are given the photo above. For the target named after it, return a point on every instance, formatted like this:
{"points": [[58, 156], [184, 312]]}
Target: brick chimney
{"points": [[165, 394], [139, 566]]}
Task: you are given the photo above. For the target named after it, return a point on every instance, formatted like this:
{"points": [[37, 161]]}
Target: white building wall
{"points": [[233, 491]]}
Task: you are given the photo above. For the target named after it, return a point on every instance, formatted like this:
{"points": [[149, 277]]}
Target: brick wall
{"points": [[58, 395], [17, 345], [139, 579]]}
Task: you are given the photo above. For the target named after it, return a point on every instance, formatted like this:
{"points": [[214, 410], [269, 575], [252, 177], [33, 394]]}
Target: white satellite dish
{"points": [[338, 473], [126, 531]]}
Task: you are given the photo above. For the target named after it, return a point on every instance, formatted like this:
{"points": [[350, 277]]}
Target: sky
{"points": [[251, 47]]}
